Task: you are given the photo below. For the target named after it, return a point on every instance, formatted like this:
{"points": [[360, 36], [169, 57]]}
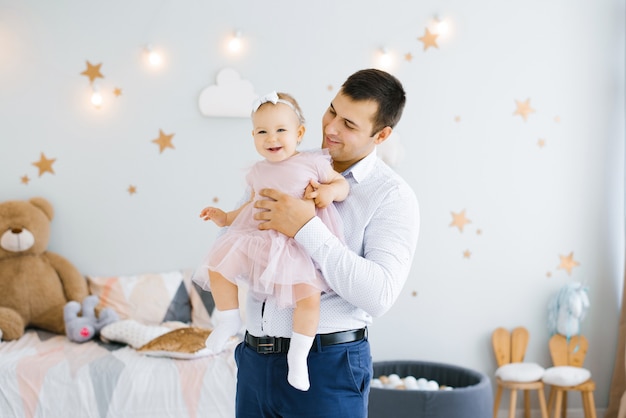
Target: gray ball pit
{"points": [[472, 396]]}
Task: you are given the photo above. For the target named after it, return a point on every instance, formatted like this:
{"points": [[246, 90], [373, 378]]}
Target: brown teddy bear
{"points": [[35, 285]]}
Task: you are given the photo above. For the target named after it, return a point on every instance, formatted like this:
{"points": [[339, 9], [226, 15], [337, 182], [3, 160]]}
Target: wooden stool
{"points": [[569, 375], [513, 373]]}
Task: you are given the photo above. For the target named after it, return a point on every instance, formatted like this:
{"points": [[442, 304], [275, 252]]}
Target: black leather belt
{"points": [[273, 345]]}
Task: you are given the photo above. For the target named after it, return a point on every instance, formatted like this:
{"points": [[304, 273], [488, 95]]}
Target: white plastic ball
{"points": [[394, 378], [410, 382], [376, 383], [432, 385]]}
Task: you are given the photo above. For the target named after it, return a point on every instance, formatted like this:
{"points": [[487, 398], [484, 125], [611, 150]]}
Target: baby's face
{"points": [[276, 131]]}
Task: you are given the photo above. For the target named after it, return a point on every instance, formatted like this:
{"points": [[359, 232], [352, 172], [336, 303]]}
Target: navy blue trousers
{"points": [[339, 374]]}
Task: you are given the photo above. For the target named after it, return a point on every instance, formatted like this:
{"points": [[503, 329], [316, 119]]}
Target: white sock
{"points": [[229, 324], [299, 347]]}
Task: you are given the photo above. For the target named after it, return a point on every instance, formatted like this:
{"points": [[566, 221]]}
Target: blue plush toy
{"points": [[567, 309], [86, 326]]}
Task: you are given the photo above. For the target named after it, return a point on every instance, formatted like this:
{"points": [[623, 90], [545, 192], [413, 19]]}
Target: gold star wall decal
{"points": [[457, 119], [117, 92], [408, 57], [44, 165], [459, 220], [429, 39], [132, 190], [523, 109], [164, 141], [24, 179], [93, 71], [541, 143], [467, 254], [568, 263]]}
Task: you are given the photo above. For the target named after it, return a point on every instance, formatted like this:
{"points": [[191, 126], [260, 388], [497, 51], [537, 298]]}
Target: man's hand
{"points": [[282, 212]]}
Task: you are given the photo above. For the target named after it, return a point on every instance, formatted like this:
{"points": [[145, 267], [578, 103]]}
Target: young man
{"points": [[366, 274]]}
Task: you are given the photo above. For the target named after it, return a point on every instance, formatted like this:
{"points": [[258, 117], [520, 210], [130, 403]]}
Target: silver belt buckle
{"points": [[266, 345]]}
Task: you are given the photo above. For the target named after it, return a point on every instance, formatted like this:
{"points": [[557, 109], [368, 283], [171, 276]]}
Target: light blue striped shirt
{"points": [[381, 225]]}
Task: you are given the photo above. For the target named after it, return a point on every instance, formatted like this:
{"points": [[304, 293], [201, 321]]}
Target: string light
{"points": [[441, 27], [385, 58], [154, 58], [96, 96], [234, 45]]}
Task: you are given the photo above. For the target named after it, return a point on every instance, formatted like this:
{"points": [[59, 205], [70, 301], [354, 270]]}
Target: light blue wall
{"points": [[463, 147]]}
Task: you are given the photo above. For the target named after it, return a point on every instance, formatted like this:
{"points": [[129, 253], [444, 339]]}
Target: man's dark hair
{"points": [[382, 88]]}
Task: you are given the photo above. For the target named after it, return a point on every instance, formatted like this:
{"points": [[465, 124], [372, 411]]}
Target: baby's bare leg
{"points": [[225, 295], [306, 315], [306, 318]]}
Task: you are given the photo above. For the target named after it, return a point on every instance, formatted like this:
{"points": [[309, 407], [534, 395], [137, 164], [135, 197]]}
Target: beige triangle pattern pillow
{"points": [[149, 299]]}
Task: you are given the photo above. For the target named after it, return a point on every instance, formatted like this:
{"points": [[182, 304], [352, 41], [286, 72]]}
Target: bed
{"points": [[46, 375]]}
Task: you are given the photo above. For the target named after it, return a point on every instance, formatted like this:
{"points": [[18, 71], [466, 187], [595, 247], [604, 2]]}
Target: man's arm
{"points": [[374, 279]]}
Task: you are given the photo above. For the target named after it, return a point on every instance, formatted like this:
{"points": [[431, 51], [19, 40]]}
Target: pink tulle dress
{"points": [[268, 261]]}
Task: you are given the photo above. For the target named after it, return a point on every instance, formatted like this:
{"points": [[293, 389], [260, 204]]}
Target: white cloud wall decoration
{"points": [[230, 96]]}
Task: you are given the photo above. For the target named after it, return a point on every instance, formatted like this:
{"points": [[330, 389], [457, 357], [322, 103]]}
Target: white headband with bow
{"points": [[273, 98]]}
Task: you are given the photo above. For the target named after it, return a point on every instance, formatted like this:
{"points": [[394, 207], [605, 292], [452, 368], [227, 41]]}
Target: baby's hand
{"points": [[216, 215], [322, 194]]}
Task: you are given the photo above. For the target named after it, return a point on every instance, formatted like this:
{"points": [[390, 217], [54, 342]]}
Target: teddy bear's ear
{"points": [[44, 205]]}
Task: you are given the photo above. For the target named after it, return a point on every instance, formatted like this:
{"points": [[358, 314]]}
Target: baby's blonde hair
{"points": [[288, 97]]}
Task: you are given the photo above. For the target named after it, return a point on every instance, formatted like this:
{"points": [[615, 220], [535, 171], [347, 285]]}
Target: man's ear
{"points": [[383, 135]]}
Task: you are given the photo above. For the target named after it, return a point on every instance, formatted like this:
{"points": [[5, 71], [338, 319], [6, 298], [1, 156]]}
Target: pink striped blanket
{"points": [[46, 375]]}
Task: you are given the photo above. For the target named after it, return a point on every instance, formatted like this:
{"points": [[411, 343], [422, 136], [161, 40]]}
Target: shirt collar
{"points": [[363, 168]]}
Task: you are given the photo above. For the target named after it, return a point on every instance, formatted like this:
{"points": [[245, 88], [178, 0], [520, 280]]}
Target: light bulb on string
{"points": [[96, 96], [441, 27], [385, 58], [154, 58], [234, 44]]}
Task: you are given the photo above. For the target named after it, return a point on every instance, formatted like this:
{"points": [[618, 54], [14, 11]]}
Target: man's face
{"points": [[347, 130]]}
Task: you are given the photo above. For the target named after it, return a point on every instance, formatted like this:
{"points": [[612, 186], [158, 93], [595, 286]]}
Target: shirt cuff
{"points": [[313, 235]]}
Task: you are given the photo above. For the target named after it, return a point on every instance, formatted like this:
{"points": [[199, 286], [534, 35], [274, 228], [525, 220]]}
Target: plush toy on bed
{"points": [[35, 284], [83, 327]]}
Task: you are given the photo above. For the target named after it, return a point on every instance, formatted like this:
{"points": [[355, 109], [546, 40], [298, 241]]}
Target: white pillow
{"points": [[520, 372], [566, 376], [131, 332]]}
